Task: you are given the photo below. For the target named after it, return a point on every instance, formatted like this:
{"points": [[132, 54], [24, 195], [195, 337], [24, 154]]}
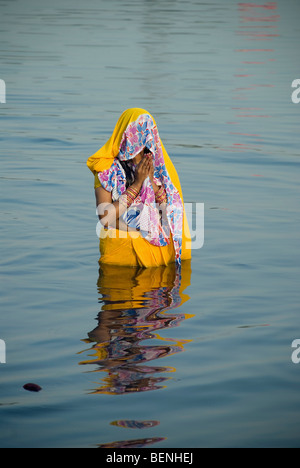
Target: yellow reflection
{"points": [[136, 305]]}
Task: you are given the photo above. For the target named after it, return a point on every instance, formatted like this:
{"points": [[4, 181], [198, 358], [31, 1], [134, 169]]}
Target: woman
{"points": [[139, 198]]}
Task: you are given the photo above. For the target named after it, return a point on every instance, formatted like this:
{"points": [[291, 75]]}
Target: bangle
{"points": [[132, 192], [162, 200], [160, 192], [161, 196], [128, 197], [160, 189]]}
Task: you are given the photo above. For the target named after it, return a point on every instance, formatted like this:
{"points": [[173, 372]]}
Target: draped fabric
{"points": [[136, 130]]}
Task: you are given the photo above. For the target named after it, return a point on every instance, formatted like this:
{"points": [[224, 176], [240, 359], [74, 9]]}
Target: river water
{"points": [[151, 358]]}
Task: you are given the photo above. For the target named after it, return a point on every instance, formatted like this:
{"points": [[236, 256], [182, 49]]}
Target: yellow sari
{"points": [[131, 248]]}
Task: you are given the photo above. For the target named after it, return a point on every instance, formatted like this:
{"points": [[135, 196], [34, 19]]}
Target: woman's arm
{"points": [[108, 211]]}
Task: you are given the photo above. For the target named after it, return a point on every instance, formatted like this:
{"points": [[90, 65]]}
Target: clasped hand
{"points": [[144, 169]]}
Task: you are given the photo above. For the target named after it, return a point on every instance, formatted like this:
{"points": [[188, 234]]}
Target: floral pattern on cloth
{"points": [[144, 214]]}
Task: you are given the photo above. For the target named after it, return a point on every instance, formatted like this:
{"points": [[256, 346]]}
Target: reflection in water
{"points": [[136, 304], [137, 443], [135, 424]]}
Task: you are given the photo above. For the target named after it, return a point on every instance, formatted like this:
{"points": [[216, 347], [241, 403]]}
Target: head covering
{"points": [[135, 130], [103, 159]]}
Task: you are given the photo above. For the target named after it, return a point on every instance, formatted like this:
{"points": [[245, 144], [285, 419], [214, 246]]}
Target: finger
{"points": [[144, 162]]}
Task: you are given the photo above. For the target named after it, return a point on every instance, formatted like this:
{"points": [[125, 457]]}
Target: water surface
{"points": [[201, 359]]}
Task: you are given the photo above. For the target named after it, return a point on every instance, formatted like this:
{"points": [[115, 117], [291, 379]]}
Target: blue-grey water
{"points": [[143, 358]]}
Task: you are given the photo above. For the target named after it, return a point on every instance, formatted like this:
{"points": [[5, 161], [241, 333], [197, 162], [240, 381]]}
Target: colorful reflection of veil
{"points": [[136, 305]]}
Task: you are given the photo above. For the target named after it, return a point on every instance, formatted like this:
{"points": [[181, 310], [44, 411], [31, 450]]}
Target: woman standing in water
{"points": [[139, 197]]}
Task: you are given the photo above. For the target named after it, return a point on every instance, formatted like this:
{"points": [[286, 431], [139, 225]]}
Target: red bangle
{"points": [[128, 197], [161, 196]]}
